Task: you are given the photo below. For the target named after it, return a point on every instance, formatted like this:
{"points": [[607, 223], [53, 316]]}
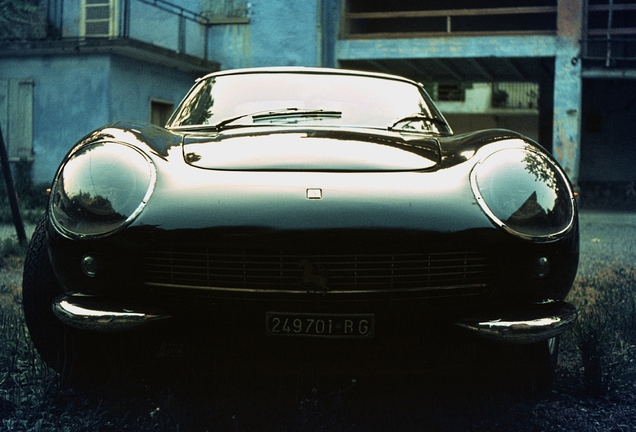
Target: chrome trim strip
{"points": [[89, 313], [313, 291], [506, 145]]}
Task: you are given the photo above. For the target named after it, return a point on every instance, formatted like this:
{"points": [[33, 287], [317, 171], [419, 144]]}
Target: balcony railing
{"points": [[155, 22], [166, 25], [369, 21]]}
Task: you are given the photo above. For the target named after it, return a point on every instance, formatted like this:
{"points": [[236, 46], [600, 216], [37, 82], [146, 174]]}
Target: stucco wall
{"points": [[73, 95], [134, 84], [70, 98], [280, 33]]}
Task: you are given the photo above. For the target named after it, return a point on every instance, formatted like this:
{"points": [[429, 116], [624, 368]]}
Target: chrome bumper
{"points": [[85, 313], [524, 325], [529, 324]]}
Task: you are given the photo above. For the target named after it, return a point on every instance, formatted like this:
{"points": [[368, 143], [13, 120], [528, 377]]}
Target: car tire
{"points": [[527, 367], [78, 356], [542, 358]]}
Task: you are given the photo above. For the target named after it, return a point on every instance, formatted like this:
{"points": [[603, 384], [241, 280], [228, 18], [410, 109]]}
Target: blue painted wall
{"points": [[73, 95], [279, 33], [70, 98], [134, 83]]}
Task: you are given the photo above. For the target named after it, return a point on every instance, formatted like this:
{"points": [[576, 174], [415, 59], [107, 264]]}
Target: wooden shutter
{"points": [[16, 117]]}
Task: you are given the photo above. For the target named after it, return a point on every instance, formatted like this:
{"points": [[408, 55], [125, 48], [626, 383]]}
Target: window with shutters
{"points": [[16, 117], [99, 18]]}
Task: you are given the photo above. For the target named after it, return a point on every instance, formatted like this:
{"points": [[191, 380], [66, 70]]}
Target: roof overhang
{"points": [[460, 59], [130, 48]]}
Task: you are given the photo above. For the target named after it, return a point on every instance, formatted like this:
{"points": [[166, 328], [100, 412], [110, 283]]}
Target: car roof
{"points": [[308, 70]]}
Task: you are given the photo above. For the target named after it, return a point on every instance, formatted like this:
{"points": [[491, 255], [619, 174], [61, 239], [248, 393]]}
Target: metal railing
{"points": [[610, 32], [450, 22], [515, 95], [156, 22], [164, 24]]}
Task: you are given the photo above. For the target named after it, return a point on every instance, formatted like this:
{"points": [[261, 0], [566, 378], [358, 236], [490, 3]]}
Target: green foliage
{"points": [[10, 248], [499, 98], [605, 334]]}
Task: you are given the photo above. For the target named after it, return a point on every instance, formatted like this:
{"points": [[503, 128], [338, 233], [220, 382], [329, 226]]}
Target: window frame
{"points": [[164, 104], [112, 18]]}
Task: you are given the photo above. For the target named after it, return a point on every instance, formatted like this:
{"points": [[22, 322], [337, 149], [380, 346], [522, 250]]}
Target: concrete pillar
{"points": [[566, 132]]}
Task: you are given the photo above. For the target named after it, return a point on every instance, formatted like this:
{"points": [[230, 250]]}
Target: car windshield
{"points": [[307, 98]]}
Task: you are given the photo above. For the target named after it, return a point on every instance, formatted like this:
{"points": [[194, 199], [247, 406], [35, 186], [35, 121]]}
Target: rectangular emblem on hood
{"points": [[314, 193]]}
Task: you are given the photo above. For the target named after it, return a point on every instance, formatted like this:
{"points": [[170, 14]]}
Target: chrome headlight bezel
{"points": [[100, 189], [542, 178]]}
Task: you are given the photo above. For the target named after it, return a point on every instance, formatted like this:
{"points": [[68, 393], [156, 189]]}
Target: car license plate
{"points": [[320, 325]]}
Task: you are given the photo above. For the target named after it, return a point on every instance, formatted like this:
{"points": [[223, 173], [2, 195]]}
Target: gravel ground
{"points": [[606, 238]]}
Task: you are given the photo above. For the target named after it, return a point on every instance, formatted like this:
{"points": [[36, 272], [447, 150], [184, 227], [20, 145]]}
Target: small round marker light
{"points": [[541, 267], [89, 265]]}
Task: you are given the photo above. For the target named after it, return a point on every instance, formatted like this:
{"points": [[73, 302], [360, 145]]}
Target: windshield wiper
{"points": [[417, 117], [285, 112], [295, 112]]}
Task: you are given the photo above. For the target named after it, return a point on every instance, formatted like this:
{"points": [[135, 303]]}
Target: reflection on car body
{"points": [[302, 203]]}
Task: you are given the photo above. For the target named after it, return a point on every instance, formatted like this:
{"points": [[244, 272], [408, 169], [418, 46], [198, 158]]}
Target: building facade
{"points": [[561, 71]]}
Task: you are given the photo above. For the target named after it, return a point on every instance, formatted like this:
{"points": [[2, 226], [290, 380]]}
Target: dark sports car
{"points": [[286, 205]]}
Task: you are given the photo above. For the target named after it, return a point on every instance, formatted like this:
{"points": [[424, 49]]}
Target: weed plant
{"points": [[11, 251], [24, 380], [31, 197], [605, 334]]}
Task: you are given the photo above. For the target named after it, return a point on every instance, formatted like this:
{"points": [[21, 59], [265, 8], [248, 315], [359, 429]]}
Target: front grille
{"points": [[460, 272]]}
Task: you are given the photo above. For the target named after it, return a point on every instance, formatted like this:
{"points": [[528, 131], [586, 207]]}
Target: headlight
{"points": [[524, 192], [100, 189]]}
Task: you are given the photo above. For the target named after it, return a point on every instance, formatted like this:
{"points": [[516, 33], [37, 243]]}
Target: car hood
{"points": [[311, 150]]}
